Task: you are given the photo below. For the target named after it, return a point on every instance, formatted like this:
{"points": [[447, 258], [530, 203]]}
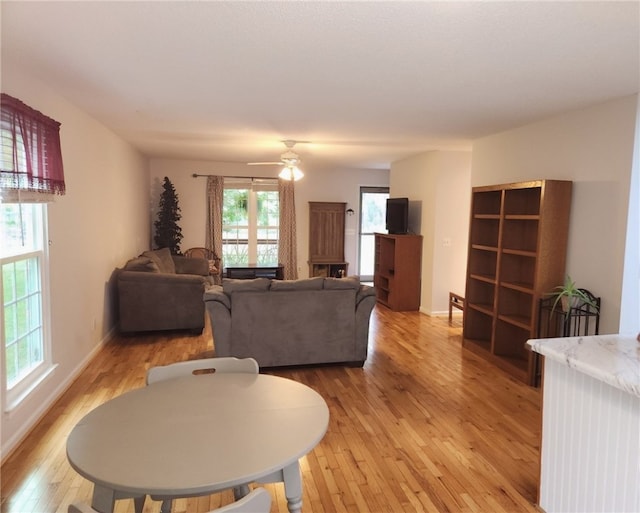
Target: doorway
{"points": [[373, 206]]}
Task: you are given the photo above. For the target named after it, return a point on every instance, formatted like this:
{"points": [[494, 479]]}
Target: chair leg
{"points": [[240, 491]]}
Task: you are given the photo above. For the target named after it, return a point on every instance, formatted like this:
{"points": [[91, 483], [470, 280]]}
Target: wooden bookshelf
{"points": [[517, 252]]}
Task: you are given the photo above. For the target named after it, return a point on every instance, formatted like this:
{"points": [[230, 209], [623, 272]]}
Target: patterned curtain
{"points": [[30, 153], [215, 191], [287, 250]]}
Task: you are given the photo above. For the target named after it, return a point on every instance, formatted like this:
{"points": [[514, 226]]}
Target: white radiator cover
{"points": [[590, 454]]}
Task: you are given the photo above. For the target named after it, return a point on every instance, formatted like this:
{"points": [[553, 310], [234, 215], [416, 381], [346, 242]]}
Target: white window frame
{"points": [[253, 186], [12, 397]]}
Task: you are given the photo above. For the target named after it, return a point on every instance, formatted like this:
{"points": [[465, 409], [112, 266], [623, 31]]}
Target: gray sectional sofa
{"points": [[291, 322], [161, 291]]}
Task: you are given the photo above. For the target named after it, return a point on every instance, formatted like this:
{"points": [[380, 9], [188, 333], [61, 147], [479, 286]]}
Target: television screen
{"points": [[397, 215]]}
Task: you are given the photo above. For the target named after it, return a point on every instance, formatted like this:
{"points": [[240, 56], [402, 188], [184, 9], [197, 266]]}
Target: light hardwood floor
{"points": [[424, 426]]}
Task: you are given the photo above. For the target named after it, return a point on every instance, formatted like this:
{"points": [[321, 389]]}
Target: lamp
{"points": [[291, 172]]}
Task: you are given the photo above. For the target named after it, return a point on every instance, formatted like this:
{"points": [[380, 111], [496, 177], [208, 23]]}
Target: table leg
{"points": [[240, 491], [293, 487], [104, 499], [138, 503]]}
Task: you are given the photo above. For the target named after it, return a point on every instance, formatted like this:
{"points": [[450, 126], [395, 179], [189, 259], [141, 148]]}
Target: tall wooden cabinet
{"points": [[326, 239], [517, 253], [397, 267]]}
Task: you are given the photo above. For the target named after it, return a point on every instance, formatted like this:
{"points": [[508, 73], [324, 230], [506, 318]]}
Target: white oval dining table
{"points": [[197, 435]]}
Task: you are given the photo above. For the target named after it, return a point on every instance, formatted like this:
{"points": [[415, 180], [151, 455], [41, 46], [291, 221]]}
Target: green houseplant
{"points": [[168, 232], [570, 296]]}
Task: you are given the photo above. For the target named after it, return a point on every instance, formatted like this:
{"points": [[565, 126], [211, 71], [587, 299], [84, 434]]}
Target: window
{"points": [[25, 347], [31, 173], [250, 218]]}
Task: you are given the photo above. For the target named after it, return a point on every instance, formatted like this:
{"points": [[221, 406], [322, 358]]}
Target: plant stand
{"points": [[578, 321]]}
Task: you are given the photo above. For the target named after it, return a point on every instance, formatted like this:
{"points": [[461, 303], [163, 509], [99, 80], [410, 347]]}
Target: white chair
{"points": [[226, 364], [204, 365], [257, 501]]}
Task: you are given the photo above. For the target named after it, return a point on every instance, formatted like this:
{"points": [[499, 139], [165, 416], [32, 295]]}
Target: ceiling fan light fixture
{"points": [[291, 173]]}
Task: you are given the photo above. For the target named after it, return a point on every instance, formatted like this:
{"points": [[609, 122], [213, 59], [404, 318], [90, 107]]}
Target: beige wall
{"points": [[593, 147], [437, 184], [319, 184], [101, 222]]}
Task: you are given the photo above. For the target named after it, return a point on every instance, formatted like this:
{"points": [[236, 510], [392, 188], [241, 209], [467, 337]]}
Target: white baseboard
{"points": [[19, 436]]}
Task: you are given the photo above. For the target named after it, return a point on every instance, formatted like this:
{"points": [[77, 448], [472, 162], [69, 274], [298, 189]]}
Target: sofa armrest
{"points": [[215, 293], [185, 265], [365, 302], [218, 306], [363, 292]]}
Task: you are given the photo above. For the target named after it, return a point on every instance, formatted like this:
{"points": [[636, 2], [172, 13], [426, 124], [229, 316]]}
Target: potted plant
{"points": [[570, 296]]}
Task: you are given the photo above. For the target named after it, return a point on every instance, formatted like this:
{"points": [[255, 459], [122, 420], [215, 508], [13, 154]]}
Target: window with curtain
{"points": [[250, 222], [30, 173]]}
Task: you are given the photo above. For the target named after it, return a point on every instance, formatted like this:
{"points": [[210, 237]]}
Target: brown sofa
{"points": [[160, 291]]}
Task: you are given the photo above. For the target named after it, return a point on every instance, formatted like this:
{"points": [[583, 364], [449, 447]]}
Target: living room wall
{"points": [[437, 184], [101, 222], [593, 147], [318, 184]]}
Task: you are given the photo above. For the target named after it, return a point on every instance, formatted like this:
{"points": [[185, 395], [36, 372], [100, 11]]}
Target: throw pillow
{"points": [[162, 258], [141, 264]]}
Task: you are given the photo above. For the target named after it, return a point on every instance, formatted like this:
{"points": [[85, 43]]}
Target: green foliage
{"points": [[236, 226], [168, 233], [570, 294], [235, 210]]}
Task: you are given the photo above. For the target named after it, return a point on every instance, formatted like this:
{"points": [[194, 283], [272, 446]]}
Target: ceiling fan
{"points": [[289, 159]]}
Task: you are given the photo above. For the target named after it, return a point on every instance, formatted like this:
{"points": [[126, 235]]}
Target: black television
{"points": [[397, 218]]}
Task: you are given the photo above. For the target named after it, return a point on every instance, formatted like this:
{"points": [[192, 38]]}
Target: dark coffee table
{"points": [[249, 272]]}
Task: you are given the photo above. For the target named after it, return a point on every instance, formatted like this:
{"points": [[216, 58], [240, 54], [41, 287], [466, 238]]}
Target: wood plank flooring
{"points": [[424, 426]]}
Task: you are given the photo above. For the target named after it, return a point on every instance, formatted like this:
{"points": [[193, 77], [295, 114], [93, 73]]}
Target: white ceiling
{"points": [[366, 83]]}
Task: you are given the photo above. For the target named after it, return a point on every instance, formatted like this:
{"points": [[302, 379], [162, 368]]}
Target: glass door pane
{"points": [[373, 204]]}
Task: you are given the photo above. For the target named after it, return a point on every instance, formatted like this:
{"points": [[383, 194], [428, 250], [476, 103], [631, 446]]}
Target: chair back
{"points": [[258, 501], [200, 253], [203, 366]]}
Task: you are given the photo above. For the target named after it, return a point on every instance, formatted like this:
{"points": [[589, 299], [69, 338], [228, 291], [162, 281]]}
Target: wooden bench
{"points": [[455, 301]]}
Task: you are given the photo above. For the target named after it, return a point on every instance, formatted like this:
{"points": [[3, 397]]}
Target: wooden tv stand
{"points": [[397, 274]]}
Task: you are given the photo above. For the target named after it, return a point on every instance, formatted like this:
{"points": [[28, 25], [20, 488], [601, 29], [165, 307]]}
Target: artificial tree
{"points": [[168, 233]]}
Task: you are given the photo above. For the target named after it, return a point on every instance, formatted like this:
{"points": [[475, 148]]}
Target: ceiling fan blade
{"points": [[264, 163]]}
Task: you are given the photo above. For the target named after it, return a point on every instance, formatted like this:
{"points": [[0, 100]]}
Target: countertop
{"points": [[613, 359]]}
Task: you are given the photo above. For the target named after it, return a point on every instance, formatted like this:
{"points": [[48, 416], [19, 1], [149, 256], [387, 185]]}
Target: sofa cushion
{"points": [[256, 285], [352, 282], [304, 284], [162, 258], [144, 264]]}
